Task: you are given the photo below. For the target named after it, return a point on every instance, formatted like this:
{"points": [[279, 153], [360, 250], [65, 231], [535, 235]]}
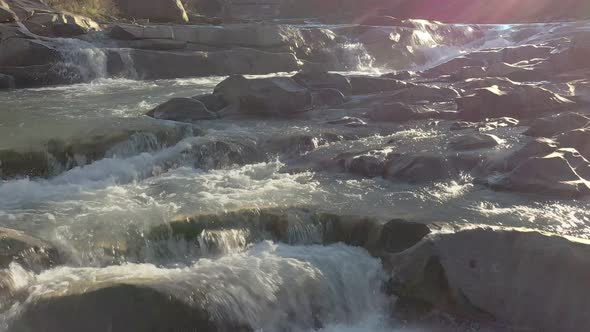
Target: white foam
{"points": [[272, 287]]}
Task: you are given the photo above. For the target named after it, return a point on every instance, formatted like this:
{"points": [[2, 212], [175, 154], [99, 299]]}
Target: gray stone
{"points": [[474, 142], [554, 174], [557, 124], [157, 10], [520, 101], [6, 81], [19, 52], [280, 96], [523, 278], [116, 307], [324, 80], [578, 139], [29, 252], [183, 110]]}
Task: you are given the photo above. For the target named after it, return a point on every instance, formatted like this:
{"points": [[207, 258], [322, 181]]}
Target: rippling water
{"points": [[87, 209]]}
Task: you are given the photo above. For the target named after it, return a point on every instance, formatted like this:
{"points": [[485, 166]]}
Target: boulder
{"points": [[31, 253], [578, 139], [115, 307], [302, 143], [367, 85], [19, 52], [553, 174], [520, 101], [213, 102], [398, 235], [183, 110], [223, 153], [425, 167], [42, 75], [407, 167], [280, 96], [261, 36], [536, 148], [474, 142], [157, 10], [170, 64], [369, 164], [327, 97], [557, 124], [6, 14], [324, 80], [6, 81], [517, 277], [60, 25]]}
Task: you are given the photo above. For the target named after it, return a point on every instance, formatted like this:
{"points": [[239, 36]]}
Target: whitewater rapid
{"points": [[93, 210]]}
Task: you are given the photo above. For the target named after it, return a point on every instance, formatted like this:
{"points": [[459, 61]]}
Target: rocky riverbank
{"points": [[291, 175]]}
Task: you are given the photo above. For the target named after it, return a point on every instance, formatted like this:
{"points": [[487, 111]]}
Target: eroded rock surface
{"points": [[523, 278]]}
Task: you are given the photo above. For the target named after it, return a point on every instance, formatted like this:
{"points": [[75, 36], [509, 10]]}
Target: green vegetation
{"points": [[95, 9]]}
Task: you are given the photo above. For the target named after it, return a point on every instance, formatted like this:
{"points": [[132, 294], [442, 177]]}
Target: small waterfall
{"points": [[269, 287], [355, 57], [136, 144], [81, 58], [223, 242], [129, 70]]}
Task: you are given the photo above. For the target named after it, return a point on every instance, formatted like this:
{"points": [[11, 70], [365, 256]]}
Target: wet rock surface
{"points": [[236, 198], [490, 280], [27, 251]]}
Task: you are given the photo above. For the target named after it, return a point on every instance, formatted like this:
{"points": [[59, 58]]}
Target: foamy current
{"points": [[93, 209]]}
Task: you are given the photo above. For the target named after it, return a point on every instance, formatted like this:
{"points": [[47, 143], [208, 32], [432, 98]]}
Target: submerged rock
{"points": [[223, 153], [295, 226], [417, 168], [54, 156], [408, 167], [29, 252], [184, 110], [474, 142], [213, 102], [522, 278], [279, 96]]}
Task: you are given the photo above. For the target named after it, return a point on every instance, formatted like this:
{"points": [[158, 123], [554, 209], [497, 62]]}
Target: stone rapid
{"points": [[296, 175]]}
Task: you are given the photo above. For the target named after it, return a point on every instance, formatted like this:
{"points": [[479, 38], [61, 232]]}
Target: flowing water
{"points": [[142, 183]]}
